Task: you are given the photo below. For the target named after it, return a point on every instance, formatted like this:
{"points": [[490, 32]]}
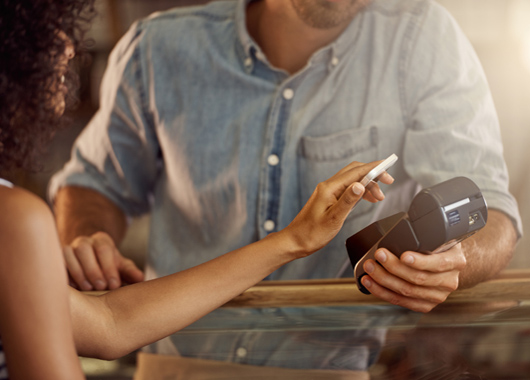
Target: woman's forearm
{"points": [[139, 314]]}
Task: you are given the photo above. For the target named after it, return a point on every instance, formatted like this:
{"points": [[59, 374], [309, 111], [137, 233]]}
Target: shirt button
{"points": [[334, 61], [273, 160], [288, 93], [248, 61], [269, 225], [241, 352]]}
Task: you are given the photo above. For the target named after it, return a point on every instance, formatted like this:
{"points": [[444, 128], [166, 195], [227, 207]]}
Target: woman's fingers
{"points": [[374, 193], [385, 178], [355, 171], [324, 213], [340, 193], [340, 210]]}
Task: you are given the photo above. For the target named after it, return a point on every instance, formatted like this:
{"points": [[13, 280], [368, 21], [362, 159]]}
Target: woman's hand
{"points": [[323, 215]]}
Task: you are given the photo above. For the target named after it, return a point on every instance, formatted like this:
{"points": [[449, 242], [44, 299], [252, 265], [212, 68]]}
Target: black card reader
{"points": [[438, 218]]}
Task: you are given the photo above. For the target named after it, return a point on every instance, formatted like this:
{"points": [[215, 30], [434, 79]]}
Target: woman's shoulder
{"points": [[21, 209]]}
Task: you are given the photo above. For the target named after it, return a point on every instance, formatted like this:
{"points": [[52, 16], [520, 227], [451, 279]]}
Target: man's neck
{"points": [[287, 42]]}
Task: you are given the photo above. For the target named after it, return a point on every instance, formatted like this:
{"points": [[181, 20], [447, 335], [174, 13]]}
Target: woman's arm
{"points": [[122, 320], [35, 324]]}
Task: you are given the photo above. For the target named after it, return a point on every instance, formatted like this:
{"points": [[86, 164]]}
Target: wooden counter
{"points": [[513, 285]]}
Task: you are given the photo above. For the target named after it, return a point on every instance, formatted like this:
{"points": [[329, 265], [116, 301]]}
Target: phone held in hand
{"points": [[376, 172]]}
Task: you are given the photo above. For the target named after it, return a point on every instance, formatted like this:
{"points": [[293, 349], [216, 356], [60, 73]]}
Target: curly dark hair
{"points": [[31, 47]]}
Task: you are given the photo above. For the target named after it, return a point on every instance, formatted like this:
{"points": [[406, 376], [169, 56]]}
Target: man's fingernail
{"points": [[409, 259], [357, 188], [366, 282], [100, 285], [86, 285], [369, 267], [380, 256], [113, 283]]}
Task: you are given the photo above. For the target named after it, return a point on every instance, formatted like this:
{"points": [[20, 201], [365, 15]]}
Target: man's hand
{"points": [[416, 281], [92, 259], [94, 262]]}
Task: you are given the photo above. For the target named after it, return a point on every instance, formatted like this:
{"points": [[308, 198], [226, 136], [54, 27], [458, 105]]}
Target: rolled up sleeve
{"points": [[452, 125], [118, 154]]}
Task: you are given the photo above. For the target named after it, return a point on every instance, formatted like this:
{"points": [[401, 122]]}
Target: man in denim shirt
{"points": [[220, 120]]}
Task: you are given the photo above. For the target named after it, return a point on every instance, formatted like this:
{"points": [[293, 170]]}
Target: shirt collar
{"points": [[246, 41], [345, 42]]}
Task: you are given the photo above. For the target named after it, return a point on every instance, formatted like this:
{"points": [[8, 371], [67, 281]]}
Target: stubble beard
{"points": [[322, 14]]}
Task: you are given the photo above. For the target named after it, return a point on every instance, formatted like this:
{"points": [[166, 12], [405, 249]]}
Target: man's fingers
{"points": [[95, 263], [402, 287], [453, 259], [130, 273], [447, 280], [388, 295], [106, 256], [73, 284], [75, 271], [85, 254]]}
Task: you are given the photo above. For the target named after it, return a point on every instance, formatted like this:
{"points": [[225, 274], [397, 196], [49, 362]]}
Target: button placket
{"points": [[269, 225], [277, 124], [273, 160], [288, 93]]}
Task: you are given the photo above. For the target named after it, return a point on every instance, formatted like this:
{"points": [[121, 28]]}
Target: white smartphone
{"points": [[373, 175]]}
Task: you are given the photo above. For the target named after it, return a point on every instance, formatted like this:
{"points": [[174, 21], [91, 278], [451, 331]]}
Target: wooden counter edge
{"points": [[511, 285]]}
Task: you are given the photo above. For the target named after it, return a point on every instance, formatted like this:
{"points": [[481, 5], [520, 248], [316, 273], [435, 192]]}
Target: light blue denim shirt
{"points": [[197, 128]]}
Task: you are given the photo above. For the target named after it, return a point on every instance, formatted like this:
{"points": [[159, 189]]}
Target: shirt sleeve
{"points": [[452, 125], [117, 154]]}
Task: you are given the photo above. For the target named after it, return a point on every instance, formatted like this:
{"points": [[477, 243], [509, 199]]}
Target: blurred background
{"points": [[498, 29]]}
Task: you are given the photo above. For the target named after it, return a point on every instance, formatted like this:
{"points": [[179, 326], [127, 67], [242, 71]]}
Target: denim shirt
{"points": [[196, 127]]}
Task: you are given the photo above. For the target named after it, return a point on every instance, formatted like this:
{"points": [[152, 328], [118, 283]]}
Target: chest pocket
{"points": [[321, 157]]}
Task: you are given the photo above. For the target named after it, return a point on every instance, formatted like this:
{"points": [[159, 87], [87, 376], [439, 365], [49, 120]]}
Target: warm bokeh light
{"points": [[519, 23]]}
